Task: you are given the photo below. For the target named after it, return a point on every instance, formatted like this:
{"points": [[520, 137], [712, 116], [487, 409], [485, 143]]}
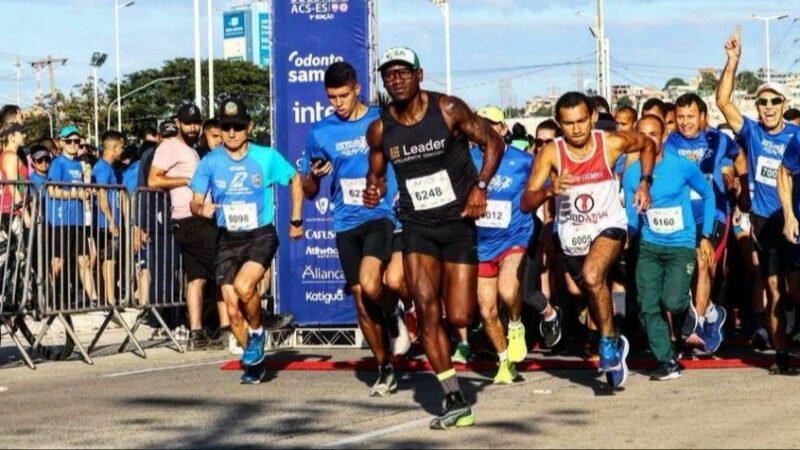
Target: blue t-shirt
{"points": [[791, 161], [503, 225], [344, 144], [669, 221], [37, 180], [130, 177], [710, 150], [103, 173], [764, 154], [64, 212], [243, 189]]}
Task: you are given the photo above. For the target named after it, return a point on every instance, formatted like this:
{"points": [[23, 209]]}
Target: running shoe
{"points": [[198, 340], [276, 321], [398, 333], [506, 372], [617, 373], [411, 325], [253, 374], [782, 364], [385, 384], [667, 370], [551, 330], [254, 350], [462, 353], [690, 322], [760, 339], [456, 412], [517, 347], [712, 331], [697, 338]]}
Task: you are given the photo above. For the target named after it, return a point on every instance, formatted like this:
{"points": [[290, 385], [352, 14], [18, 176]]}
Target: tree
{"points": [[543, 111], [161, 100], [708, 82], [748, 81], [675, 82], [624, 101]]}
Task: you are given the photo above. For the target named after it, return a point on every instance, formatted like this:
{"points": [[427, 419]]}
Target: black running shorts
{"points": [[235, 249], [372, 238], [454, 242]]}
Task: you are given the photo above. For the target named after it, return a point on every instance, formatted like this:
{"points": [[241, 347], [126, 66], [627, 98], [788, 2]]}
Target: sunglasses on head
{"points": [[41, 160], [233, 126], [540, 142], [774, 101], [72, 141]]}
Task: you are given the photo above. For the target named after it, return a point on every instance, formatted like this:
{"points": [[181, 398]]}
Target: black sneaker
{"points": [[385, 384], [782, 364], [276, 321], [690, 322], [551, 330], [668, 370], [198, 340], [456, 412]]}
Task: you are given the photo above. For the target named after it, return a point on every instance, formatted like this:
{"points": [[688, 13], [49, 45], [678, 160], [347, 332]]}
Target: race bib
{"points": [[497, 215], [665, 220], [767, 171], [352, 190], [240, 216], [694, 195], [431, 191]]}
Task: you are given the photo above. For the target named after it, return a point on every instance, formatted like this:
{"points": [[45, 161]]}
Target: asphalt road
{"points": [[186, 401]]}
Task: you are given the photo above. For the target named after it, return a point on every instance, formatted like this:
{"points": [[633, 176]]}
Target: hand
{"points": [[562, 184], [295, 233], [744, 201], [476, 203], [188, 181], [371, 196], [733, 48], [208, 210], [114, 230], [790, 229], [642, 197], [706, 251], [321, 168]]}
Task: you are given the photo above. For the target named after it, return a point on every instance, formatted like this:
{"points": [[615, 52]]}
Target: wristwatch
{"points": [[481, 185], [647, 178], [296, 223]]}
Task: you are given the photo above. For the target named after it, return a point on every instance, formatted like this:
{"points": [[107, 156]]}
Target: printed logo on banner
{"points": [[312, 274], [322, 252], [325, 297], [320, 9], [320, 235], [310, 68], [322, 204]]}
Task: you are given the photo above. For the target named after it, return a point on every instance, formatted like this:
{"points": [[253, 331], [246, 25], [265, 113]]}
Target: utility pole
{"points": [[37, 67], [17, 71], [602, 56], [579, 79]]}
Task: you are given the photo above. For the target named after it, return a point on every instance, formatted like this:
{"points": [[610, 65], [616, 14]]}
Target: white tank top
{"points": [[592, 204]]}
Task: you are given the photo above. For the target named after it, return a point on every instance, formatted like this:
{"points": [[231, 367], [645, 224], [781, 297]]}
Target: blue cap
{"points": [[68, 131]]}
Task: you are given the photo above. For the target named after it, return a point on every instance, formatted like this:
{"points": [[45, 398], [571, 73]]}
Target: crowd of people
{"points": [[601, 226]]}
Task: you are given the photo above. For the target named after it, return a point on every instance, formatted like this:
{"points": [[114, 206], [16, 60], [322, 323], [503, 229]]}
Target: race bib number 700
{"points": [[767, 171]]}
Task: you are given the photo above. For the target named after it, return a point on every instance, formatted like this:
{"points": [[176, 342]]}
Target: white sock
{"points": [[503, 356], [464, 344], [701, 320], [257, 331], [551, 317], [711, 314], [515, 323]]}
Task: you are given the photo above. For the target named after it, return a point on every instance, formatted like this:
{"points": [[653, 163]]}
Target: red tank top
{"points": [[6, 198]]}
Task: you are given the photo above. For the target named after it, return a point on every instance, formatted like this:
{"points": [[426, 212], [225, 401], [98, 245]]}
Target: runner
{"points": [[669, 118], [337, 146], [425, 136], [710, 150], [240, 178], [591, 221], [625, 117], [664, 253], [764, 142], [656, 107]]}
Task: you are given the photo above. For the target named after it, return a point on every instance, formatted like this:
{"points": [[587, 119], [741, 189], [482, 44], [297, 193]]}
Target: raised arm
{"points": [[376, 175], [733, 48], [620, 142]]}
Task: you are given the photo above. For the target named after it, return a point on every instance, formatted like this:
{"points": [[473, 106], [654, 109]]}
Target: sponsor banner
{"points": [[264, 33], [310, 280]]}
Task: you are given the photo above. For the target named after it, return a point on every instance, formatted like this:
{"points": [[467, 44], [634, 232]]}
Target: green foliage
{"points": [[675, 82], [708, 83], [543, 111], [624, 101], [748, 81]]}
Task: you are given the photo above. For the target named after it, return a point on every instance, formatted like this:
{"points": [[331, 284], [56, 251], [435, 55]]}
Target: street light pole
{"points": [[157, 80], [444, 6], [117, 7], [97, 60], [198, 79], [766, 20], [210, 61]]}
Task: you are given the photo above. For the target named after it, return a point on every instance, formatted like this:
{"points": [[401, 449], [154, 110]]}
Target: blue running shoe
{"points": [[254, 350], [253, 374], [712, 332], [609, 359], [616, 377]]}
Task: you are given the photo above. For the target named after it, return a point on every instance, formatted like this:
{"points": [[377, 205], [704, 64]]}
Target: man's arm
{"points": [[785, 184], [158, 179], [314, 171], [296, 232], [376, 175], [620, 142], [733, 48], [200, 209], [534, 196], [105, 209]]}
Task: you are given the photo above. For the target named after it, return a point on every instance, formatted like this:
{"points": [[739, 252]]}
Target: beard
{"points": [[189, 138]]}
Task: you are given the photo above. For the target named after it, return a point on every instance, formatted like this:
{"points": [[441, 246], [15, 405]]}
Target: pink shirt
{"points": [[179, 161]]}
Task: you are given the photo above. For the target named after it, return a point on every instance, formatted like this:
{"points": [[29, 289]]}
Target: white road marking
{"points": [[162, 369], [359, 438]]}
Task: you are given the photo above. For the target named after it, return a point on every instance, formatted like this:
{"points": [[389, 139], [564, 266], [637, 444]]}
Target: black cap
{"points": [[189, 113], [233, 111], [168, 129]]}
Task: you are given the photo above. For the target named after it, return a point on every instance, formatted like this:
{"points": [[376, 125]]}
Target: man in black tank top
{"points": [[425, 136]]}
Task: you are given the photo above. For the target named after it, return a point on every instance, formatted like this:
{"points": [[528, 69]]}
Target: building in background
{"points": [[247, 30]]}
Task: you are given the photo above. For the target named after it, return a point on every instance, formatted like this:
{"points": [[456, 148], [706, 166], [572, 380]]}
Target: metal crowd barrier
{"points": [[157, 268]]}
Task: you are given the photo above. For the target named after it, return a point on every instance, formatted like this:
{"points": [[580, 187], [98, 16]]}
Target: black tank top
{"points": [[433, 167]]}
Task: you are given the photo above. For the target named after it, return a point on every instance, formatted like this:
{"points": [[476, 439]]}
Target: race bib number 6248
{"points": [[431, 191]]}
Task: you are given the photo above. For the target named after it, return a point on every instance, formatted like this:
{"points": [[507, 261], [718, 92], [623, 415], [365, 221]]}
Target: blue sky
{"points": [[651, 40]]}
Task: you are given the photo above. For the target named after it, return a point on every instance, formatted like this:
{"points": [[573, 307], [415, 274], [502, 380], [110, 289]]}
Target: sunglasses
{"points": [[41, 160], [774, 101], [72, 141], [540, 142], [403, 74], [235, 127]]}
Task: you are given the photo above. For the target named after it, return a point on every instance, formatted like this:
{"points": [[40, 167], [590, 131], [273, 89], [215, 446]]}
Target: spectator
{"points": [[210, 138], [41, 158], [519, 137], [792, 115], [107, 231]]}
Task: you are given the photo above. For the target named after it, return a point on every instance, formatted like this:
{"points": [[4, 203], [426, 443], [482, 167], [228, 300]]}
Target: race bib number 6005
{"points": [[431, 191]]}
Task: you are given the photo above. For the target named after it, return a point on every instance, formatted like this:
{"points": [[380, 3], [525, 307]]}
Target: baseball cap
{"points": [[403, 55], [39, 151], [492, 114], [233, 111], [189, 113], [68, 131], [771, 86], [168, 129]]}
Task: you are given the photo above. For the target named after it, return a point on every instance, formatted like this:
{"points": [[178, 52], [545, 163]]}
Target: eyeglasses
{"points": [[541, 142], [72, 141], [403, 74], [41, 160], [231, 126], [774, 101]]}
